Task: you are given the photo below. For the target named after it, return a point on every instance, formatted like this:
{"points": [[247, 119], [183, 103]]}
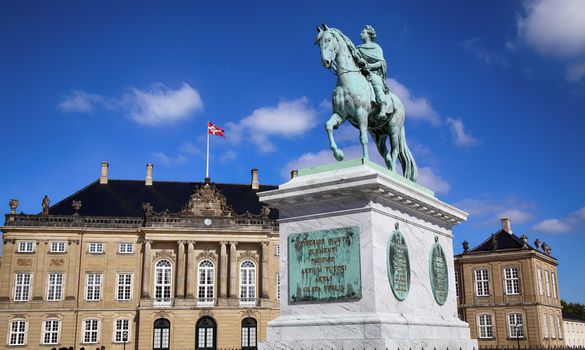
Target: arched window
{"points": [[162, 330], [206, 282], [249, 334], [162, 283], [247, 283], [205, 334]]}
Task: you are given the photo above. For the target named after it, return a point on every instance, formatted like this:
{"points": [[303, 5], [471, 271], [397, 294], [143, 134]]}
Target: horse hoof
{"points": [[338, 155]]}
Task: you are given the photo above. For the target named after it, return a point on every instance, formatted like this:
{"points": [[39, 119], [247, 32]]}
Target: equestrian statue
{"points": [[362, 97]]}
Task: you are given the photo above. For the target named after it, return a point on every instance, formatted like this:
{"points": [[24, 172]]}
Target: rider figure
{"points": [[373, 66]]}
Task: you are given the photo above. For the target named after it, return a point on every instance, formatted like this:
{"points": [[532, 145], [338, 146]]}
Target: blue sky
{"points": [[494, 94]]}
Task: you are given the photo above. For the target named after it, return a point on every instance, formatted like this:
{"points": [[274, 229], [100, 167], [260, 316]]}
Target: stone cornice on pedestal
{"points": [[334, 182]]}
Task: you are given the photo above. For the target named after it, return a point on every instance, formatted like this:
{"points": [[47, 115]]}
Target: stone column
{"points": [[190, 269], [146, 270], [233, 271], [264, 270], [181, 270], [223, 274]]}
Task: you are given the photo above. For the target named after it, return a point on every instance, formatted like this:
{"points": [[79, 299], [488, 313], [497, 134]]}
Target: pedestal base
{"points": [[376, 202]]}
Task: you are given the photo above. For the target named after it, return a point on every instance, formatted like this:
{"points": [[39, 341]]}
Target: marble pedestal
{"points": [[364, 195]]}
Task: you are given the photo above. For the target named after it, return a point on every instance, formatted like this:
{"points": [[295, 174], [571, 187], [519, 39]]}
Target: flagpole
{"points": [[207, 162]]}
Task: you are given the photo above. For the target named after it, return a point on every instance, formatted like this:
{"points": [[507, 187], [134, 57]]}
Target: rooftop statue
{"points": [[362, 97]]}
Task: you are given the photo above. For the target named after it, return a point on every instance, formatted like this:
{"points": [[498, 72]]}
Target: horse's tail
{"points": [[406, 158]]}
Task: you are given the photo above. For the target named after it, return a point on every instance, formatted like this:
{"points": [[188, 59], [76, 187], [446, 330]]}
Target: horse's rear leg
{"points": [[394, 144], [333, 123]]}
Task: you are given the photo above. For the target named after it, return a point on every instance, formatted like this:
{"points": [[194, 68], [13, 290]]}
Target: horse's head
{"points": [[329, 45]]}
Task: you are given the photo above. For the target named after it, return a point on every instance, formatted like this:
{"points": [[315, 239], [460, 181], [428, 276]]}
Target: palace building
{"points": [[125, 264], [507, 291]]}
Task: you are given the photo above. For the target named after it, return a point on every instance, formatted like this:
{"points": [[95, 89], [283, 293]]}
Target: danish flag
{"points": [[214, 129]]}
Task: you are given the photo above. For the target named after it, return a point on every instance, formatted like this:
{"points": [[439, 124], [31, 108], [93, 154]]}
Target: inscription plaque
{"points": [[398, 264], [438, 273], [324, 266]]}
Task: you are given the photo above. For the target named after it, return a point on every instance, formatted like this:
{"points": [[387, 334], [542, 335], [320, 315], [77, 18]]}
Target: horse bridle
{"points": [[333, 67]]}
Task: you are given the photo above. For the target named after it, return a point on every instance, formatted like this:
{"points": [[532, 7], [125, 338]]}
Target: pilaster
{"points": [[264, 270], [190, 269], [223, 265], [146, 268], [233, 270], [181, 269]]}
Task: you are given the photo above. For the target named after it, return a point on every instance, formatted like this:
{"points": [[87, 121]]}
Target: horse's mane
{"points": [[350, 45]]}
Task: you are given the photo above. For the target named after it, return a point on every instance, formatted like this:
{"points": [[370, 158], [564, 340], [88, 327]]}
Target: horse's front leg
{"points": [[362, 117], [333, 123]]}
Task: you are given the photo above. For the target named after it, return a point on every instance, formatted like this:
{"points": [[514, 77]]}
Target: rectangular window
{"points": [[57, 247], [22, 284], [512, 280], [124, 286], [95, 248], [539, 277], [515, 326], [90, 331], [277, 276], [482, 284], [485, 326], [552, 327], [126, 248], [121, 330], [26, 246], [546, 282], [277, 250], [457, 283], [93, 286], [51, 330], [559, 329], [17, 333], [544, 326], [55, 287], [553, 282]]}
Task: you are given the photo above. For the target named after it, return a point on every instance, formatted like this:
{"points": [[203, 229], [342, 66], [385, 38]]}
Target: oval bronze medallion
{"points": [[438, 272], [398, 264]]}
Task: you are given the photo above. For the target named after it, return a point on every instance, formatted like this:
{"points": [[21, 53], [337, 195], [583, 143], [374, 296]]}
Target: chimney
{"points": [[104, 176], [255, 184], [506, 225], [148, 181], [294, 173]]}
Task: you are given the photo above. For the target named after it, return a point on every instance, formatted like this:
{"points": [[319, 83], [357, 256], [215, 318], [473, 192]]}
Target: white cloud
{"points": [[490, 211], [460, 137], [415, 107], [157, 105], [554, 27], [166, 160], [228, 156], [160, 105], [487, 56], [189, 148], [426, 176], [287, 119], [79, 101], [551, 226], [575, 72], [573, 222]]}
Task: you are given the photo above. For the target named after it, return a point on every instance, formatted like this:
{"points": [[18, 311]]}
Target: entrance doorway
{"points": [[206, 334], [162, 331]]}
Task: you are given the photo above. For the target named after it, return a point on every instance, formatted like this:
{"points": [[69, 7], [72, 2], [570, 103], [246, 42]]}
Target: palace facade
{"points": [[507, 291], [141, 265]]}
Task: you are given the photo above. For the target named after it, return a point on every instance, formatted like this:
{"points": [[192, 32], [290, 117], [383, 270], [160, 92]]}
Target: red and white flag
{"points": [[214, 129]]}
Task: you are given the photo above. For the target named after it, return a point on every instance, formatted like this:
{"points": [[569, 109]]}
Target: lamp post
{"points": [[518, 328], [124, 338]]}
